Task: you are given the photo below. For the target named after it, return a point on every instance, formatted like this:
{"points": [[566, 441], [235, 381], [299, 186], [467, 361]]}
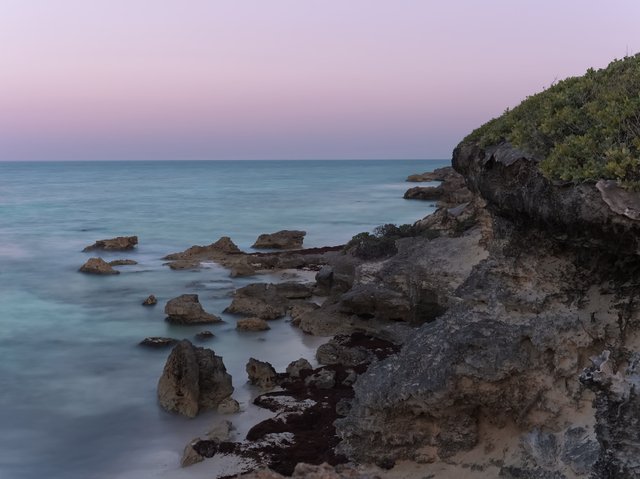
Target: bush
{"points": [[585, 128]]}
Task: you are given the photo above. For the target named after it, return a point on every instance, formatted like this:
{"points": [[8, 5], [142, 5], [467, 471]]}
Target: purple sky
{"points": [[254, 79]]}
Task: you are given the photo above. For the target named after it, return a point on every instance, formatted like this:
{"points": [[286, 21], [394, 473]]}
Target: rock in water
{"points": [[123, 262], [150, 301], [261, 374], [186, 309], [121, 243], [157, 342], [252, 324], [193, 379], [97, 266], [285, 239]]}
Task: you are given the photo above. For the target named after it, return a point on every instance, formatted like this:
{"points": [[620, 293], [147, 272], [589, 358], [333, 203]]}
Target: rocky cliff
{"points": [[504, 379]]}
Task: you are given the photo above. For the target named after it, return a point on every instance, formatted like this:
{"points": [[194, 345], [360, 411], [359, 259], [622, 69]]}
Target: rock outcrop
{"points": [[193, 379], [97, 266], [285, 239], [186, 309], [267, 301], [492, 380], [121, 243]]}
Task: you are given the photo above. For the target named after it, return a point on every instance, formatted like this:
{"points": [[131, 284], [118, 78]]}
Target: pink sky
{"points": [[290, 79]]}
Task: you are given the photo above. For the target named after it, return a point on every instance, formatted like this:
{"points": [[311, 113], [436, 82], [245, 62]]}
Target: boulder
{"points": [[261, 374], [204, 335], [229, 406], [193, 379], [252, 324], [158, 342], [321, 379], [285, 239], [150, 301], [186, 309], [259, 300], [121, 243], [296, 367], [97, 266]]}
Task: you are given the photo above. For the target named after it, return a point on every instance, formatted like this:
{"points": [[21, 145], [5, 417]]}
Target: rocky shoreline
{"points": [[496, 337]]}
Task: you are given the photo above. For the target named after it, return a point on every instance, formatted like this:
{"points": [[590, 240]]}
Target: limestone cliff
{"points": [[498, 385]]}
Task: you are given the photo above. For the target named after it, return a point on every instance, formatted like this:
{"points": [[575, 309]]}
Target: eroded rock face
{"points": [[97, 266], [193, 379], [583, 215], [494, 373], [261, 374], [285, 239], [121, 243], [617, 405], [186, 309], [296, 367]]}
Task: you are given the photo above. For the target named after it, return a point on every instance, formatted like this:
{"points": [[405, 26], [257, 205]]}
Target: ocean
{"points": [[77, 393]]}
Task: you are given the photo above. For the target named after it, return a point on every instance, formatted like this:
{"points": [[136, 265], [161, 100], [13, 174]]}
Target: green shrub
{"points": [[584, 128]]}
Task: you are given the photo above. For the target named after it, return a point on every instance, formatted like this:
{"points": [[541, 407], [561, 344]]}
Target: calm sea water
{"points": [[77, 395]]}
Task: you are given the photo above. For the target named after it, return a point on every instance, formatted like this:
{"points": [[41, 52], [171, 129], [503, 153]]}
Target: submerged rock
{"points": [[121, 243], [193, 379], [252, 324], [204, 335], [285, 239], [158, 342], [186, 309], [97, 266], [123, 262]]}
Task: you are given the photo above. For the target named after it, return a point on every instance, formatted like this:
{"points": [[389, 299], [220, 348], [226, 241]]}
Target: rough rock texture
{"points": [[296, 367], [186, 309], [451, 191], [310, 471], [490, 384], [439, 174], [150, 301], [261, 374], [158, 342], [617, 405], [193, 379], [252, 324], [121, 243], [267, 301], [97, 266], [285, 239]]}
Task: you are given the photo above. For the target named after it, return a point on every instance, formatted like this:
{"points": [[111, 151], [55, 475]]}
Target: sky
{"points": [[283, 79]]}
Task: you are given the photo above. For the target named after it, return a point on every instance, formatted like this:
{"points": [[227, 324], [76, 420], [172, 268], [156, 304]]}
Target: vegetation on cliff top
{"points": [[585, 128]]}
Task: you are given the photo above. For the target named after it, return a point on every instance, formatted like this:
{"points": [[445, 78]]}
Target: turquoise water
{"points": [[77, 395]]}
